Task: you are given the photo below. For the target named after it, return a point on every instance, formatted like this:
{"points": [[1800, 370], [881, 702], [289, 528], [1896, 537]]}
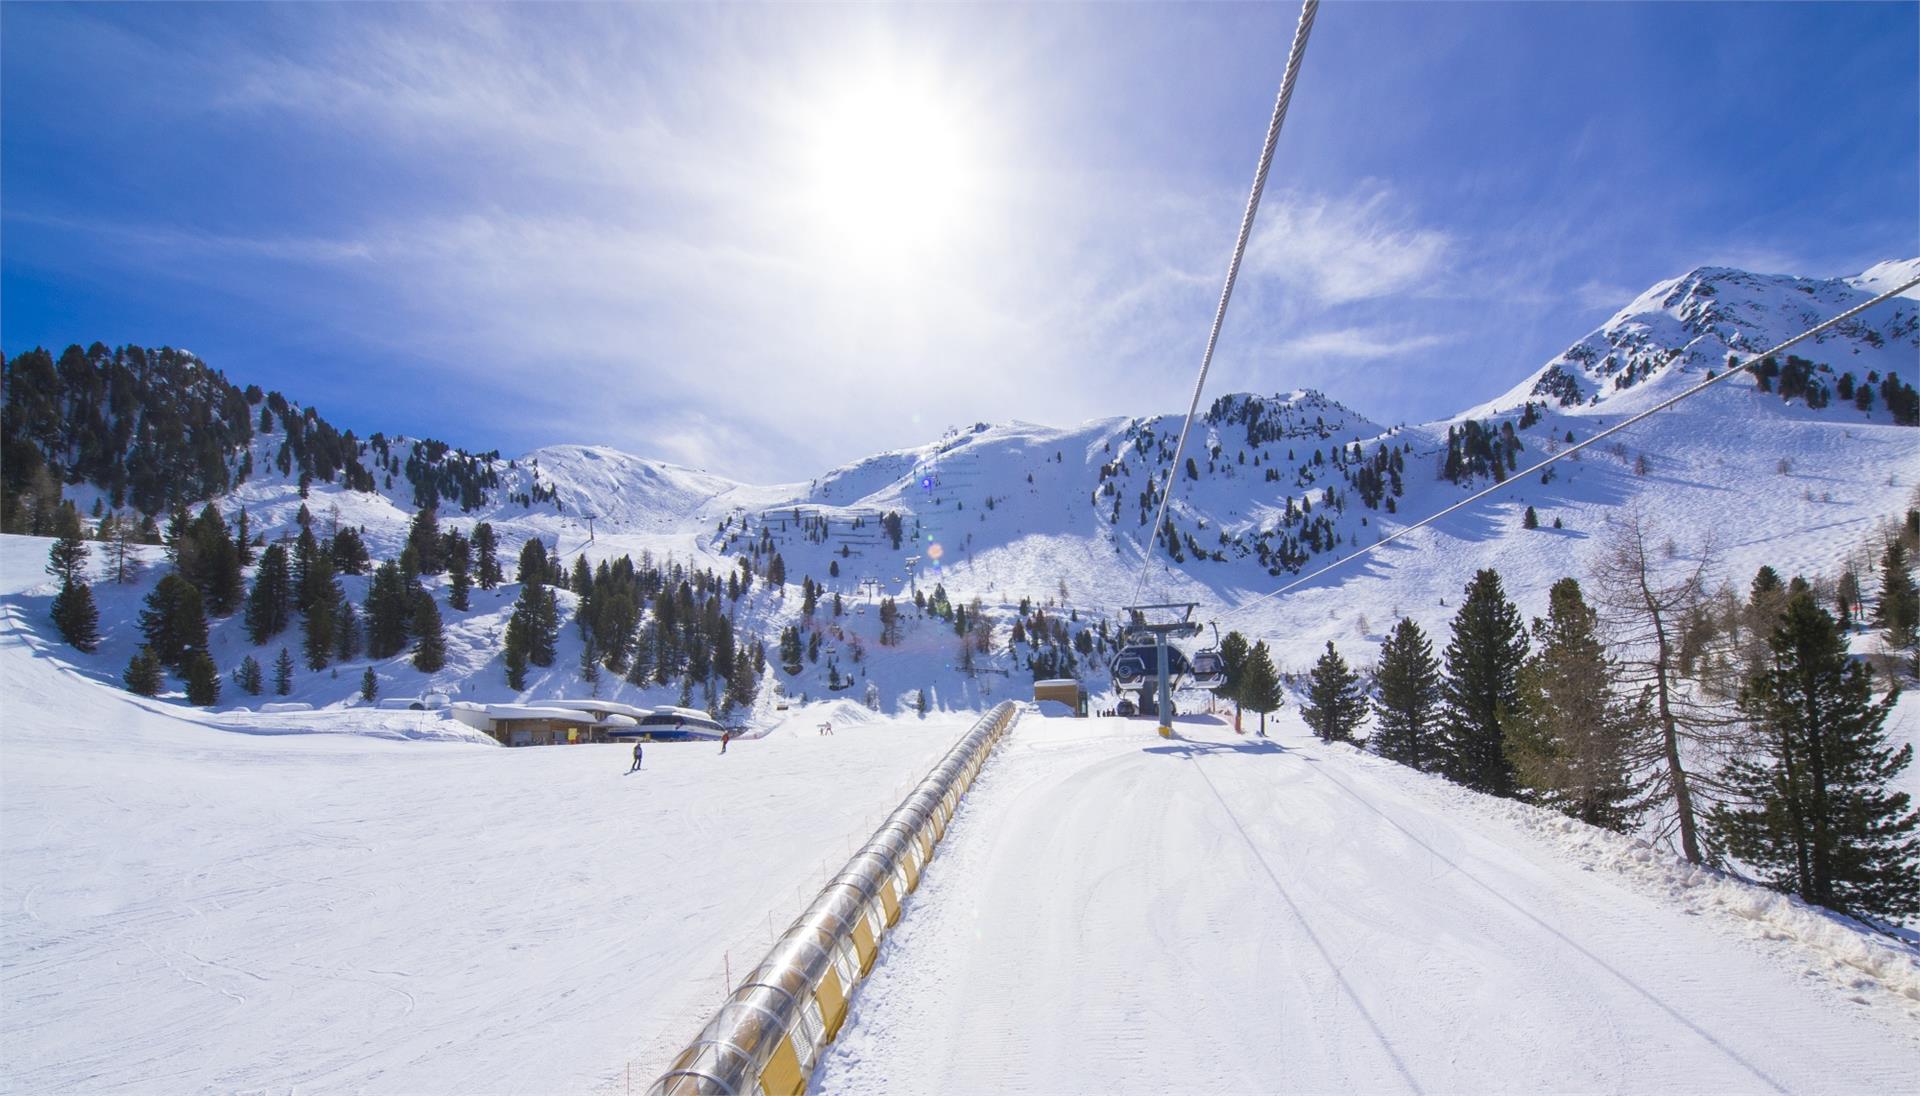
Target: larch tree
{"points": [[1570, 737], [1645, 598]]}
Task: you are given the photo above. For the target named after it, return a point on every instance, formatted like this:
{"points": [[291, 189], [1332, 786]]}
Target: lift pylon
{"points": [[1175, 621]]}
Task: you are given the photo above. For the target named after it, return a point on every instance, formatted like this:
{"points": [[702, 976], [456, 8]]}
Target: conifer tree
{"points": [[1408, 704], [590, 666], [1530, 520], [423, 536], [389, 612], [249, 676], [533, 562], [430, 642], [1898, 610], [460, 566], [1816, 812], [1483, 661], [143, 676], [270, 604], [581, 581], [1569, 737], [213, 564], [243, 539], [346, 633], [790, 650], [283, 673], [1259, 689], [173, 622], [742, 685], [486, 555], [203, 680], [517, 645], [534, 624], [640, 663], [67, 559], [1233, 670], [74, 612], [306, 557], [1334, 706], [369, 686], [349, 552], [318, 636], [546, 626]]}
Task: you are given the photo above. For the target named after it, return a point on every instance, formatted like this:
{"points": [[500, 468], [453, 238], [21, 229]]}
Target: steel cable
{"points": [[1300, 32]]}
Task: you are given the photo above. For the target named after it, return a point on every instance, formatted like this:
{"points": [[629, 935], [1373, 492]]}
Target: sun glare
{"points": [[891, 168]]}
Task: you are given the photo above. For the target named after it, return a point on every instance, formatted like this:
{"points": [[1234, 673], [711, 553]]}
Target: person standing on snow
{"points": [[725, 737], [636, 755]]}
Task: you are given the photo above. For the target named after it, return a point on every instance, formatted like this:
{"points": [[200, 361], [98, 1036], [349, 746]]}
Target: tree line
{"points": [[1741, 724]]}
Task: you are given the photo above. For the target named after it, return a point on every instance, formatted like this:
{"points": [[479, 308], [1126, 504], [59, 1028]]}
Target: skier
{"points": [[725, 737], [636, 757]]}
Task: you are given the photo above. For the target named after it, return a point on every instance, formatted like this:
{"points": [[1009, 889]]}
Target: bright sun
{"points": [[891, 168]]}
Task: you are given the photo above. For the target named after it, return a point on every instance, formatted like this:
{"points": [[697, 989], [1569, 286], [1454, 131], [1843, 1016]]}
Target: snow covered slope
{"points": [[1293, 917], [193, 910]]}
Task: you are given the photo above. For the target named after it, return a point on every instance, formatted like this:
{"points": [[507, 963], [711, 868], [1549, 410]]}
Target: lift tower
{"points": [[1170, 626]]}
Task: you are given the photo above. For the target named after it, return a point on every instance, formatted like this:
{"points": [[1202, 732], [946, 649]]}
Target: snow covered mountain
{"points": [[1692, 323], [1794, 474]]}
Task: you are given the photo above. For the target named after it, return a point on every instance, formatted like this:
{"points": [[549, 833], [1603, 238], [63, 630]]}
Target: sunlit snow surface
{"points": [[1117, 913], [187, 909]]}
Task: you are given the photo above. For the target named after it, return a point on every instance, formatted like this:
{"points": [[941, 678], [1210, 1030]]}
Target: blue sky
{"points": [[765, 240]]}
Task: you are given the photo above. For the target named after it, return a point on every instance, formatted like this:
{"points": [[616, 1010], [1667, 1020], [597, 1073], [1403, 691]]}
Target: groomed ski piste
{"points": [[1114, 912]]}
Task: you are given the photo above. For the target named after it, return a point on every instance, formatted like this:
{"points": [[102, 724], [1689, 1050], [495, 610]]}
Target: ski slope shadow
{"points": [[1190, 748], [1324, 771]]}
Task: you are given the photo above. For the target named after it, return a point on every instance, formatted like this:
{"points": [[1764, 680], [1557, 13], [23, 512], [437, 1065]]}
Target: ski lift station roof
{"points": [[602, 708]]}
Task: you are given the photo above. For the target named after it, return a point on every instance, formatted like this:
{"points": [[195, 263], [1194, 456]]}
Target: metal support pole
{"points": [[1166, 700]]}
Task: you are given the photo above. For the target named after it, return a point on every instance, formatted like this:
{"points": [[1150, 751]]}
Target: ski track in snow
{"points": [[1119, 913]]}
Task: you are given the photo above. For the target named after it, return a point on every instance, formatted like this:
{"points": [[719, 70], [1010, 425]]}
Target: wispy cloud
{"points": [[1339, 250], [1361, 344]]}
